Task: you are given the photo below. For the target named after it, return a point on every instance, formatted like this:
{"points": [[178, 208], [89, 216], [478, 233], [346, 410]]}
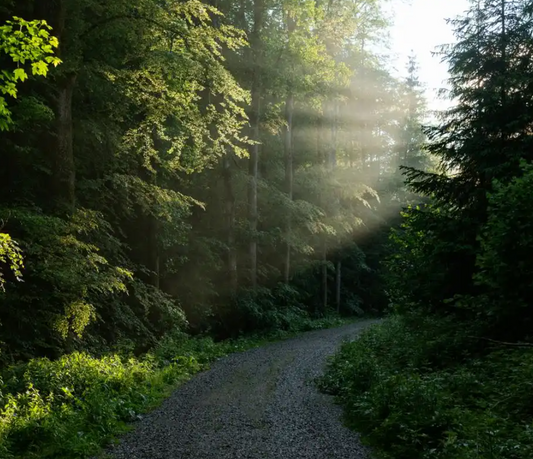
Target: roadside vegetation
{"points": [[71, 407], [448, 375]]}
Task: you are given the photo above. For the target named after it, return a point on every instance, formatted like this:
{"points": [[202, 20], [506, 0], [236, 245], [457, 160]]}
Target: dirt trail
{"points": [[260, 404]]}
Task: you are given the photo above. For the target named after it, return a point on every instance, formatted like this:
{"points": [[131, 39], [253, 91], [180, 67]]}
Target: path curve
{"points": [[259, 404]]}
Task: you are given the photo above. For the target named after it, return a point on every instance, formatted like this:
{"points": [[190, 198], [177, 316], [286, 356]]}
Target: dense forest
{"points": [[219, 168], [179, 169], [178, 176], [448, 375]]}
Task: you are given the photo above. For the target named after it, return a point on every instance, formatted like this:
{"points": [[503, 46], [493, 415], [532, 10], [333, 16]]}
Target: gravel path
{"points": [[260, 404]]}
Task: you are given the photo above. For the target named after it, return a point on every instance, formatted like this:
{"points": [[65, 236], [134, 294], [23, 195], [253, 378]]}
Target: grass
{"points": [[71, 407]]}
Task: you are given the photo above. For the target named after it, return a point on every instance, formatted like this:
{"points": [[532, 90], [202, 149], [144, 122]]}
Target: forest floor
{"points": [[261, 403]]}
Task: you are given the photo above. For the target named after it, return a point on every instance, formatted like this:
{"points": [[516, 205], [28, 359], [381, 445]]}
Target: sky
{"points": [[420, 26]]}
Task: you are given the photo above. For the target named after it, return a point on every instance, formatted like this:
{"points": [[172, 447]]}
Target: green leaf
{"points": [[20, 74]]}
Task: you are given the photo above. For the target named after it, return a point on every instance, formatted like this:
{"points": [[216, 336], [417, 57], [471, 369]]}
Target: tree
{"points": [[412, 138], [183, 188], [479, 142], [31, 43], [256, 61]]}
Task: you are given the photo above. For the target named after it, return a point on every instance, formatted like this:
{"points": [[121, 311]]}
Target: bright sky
{"points": [[420, 25]]}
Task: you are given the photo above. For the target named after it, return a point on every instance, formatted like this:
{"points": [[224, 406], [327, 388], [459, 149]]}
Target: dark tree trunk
{"points": [[255, 42], [289, 111], [62, 149], [338, 268], [324, 276], [64, 169], [252, 188], [230, 224], [153, 251]]}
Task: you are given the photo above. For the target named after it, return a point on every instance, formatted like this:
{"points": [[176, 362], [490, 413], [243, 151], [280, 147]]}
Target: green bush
{"points": [[505, 261], [262, 310], [432, 257], [410, 406], [78, 288], [68, 407]]}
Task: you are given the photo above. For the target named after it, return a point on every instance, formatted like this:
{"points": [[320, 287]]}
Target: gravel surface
{"points": [[259, 404]]}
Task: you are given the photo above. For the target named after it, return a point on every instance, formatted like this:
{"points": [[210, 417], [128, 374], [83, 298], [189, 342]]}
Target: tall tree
{"points": [[255, 116]]}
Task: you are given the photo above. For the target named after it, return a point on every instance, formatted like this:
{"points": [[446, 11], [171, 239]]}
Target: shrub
{"points": [[66, 408], [505, 260], [262, 310], [410, 406]]}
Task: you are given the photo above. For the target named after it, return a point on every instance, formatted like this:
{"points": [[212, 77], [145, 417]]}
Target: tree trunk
{"points": [[230, 224], [338, 268], [324, 156], [62, 151], [255, 43], [332, 157], [332, 164], [324, 276], [318, 126], [503, 52], [153, 251], [289, 110], [252, 190], [64, 170]]}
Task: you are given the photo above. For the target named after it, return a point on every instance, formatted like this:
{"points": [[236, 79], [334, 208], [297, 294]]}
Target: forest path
{"points": [[259, 404]]}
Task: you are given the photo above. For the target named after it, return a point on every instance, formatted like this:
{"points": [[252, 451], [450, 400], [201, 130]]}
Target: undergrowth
{"points": [[69, 408], [401, 390]]}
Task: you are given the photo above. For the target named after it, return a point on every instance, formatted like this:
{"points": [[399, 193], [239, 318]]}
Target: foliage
{"points": [[10, 255], [66, 408], [67, 277], [504, 260], [431, 252], [70, 407], [24, 41], [411, 403], [448, 376]]}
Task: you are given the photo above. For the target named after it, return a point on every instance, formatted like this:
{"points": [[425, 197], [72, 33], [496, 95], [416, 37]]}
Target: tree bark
{"points": [[338, 268], [64, 169], [252, 190], [332, 157], [255, 42], [62, 154], [503, 52], [289, 111], [153, 251], [324, 275], [318, 126], [230, 224], [332, 164], [326, 155]]}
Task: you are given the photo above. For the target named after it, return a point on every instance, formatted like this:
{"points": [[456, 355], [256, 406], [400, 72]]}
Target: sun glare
{"points": [[419, 28]]}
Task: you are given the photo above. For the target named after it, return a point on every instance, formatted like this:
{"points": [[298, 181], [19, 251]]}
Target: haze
{"points": [[420, 26]]}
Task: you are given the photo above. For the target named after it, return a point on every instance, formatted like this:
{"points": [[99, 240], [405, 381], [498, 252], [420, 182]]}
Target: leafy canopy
{"points": [[24, 42]]}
